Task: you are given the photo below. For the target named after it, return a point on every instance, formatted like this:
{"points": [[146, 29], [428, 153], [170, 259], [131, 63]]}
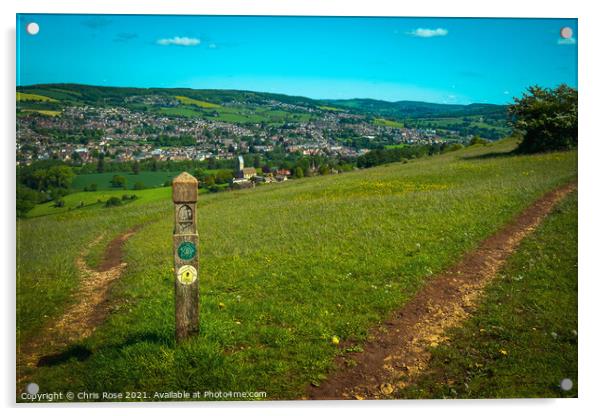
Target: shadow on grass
{"points": [[79, 352], [492, 155], [82, 353]]}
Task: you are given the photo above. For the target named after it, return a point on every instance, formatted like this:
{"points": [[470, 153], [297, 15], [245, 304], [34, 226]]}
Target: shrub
{"points": [[546, 119], [139, 186], [118, 181], [478, 140], [324, 170], [26, 199], [113, 202], [453, 147]]}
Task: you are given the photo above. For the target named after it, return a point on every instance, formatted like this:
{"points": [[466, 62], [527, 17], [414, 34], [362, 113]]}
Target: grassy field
{"points": [[80, 199], [232, 114], [522, 341], [96, 200], [198, 103], [388, 123], [51, 113], [453, 122], [284, 268], [329, 108], [180, 111], [103, 180], [22, 96]]}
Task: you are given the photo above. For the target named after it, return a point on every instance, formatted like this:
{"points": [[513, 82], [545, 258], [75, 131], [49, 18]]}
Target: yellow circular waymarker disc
{"points": [[187, 275]]}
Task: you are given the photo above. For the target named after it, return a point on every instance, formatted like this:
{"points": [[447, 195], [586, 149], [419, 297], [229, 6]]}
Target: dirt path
{"points": [[398, 352], [89, 310]]}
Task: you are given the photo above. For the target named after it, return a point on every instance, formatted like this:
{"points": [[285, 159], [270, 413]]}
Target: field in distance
{"points": [[103, 180]]}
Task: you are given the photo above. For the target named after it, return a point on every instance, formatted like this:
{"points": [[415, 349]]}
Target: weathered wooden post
{"points": [[186, 255]]}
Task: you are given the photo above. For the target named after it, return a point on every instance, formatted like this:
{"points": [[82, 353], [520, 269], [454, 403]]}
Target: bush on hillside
{"points": [[113, 202], [139, 186], [26, 199], [546, 119], [118, 181], [478, 140], [453, 147]]}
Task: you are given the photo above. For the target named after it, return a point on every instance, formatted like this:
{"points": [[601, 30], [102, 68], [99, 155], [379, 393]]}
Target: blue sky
{"points": [[427, 59]]}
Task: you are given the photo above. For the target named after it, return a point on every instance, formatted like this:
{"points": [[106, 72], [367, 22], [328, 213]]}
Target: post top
{"points": [[185, 177], [184, 188]]}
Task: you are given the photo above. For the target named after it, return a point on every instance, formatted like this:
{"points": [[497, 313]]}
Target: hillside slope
{"points": [[284, 268]]}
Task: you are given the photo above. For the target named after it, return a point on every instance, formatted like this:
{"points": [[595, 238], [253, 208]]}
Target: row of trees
{"points": [[103, 165], [398, 154], [208, 179]]}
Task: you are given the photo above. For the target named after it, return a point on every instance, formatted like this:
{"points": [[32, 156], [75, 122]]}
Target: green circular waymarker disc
{"points": [[186, 250]]}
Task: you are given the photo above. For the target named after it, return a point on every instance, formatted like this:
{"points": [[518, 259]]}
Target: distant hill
{"points": [[73, 94], [417, 109], [98, 95]]}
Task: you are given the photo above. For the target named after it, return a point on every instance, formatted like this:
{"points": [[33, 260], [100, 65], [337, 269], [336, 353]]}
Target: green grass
{"points": [[57, 94], [451, 122], [294, 264], [51, 113], [259, 115], [90, 200], [240, 115], [22, 96], [388, 123], [103, 180], [48, 246], [198, 103], [395, 146], [180, 111], [522, 340], [329, 108]]}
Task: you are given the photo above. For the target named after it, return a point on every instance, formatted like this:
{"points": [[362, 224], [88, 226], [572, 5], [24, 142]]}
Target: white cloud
{"points": [[428, 33], [179, 41], [569, 41], [212, 46], [506, 92]]}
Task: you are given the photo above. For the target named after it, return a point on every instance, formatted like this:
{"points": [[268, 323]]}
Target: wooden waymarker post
{"points": [[186, 255]]}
